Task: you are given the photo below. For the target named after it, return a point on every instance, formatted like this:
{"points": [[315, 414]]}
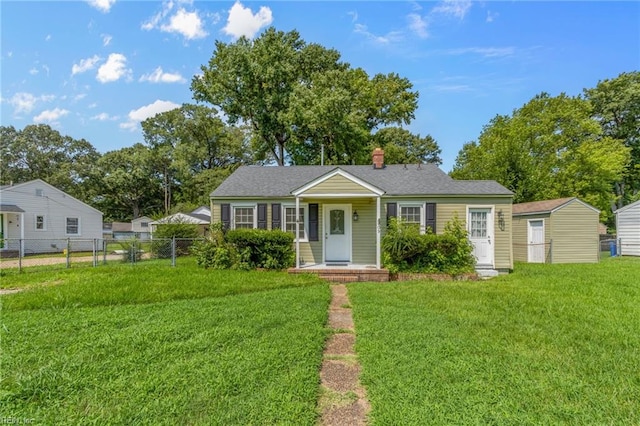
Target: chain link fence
{"points": [[32, 254]]}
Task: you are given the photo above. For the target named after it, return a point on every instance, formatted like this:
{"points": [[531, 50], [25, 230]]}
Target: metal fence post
{"points": [[551, 250], [68, 252], [95, 252], [104, 252], [20, 253], [173, 251]]}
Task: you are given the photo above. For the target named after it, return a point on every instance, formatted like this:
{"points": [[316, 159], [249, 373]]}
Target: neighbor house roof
{"points": [[10, 208], [545, 206], [414, 179], [627, 207]]}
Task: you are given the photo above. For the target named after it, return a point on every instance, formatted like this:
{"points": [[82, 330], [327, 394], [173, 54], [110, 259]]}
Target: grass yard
{"points": [[548, 344], [159, 345]]}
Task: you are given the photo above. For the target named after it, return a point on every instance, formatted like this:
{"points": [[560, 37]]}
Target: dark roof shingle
{"points": [[423, 179]]}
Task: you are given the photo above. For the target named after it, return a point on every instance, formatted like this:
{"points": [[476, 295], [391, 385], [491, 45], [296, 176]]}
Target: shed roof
{"points": [[627, 207], [545, 206], [414, 179]]}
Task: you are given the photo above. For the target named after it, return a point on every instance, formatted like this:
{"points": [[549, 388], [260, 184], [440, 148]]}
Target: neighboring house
{"points": [[628, 229], [564, 230], [343, 210], [200, 216], [35, 211], [141, 227]]}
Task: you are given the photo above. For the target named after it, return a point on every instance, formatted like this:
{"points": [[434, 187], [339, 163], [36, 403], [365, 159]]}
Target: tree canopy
{"points": [[551, 147], [298, 96]]}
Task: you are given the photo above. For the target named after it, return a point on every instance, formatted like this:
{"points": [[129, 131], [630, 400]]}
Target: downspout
{"points": [[378, 230], [297, 232]]}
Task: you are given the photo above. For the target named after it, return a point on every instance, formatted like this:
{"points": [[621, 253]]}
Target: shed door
{"points": [[480, 225], [536, 241]]}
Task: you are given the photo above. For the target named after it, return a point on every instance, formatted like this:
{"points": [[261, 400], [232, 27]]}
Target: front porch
{"points": [[344, 273]]}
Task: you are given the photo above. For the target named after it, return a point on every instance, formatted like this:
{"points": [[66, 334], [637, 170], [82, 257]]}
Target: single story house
{"points": [[564, 230], [44, 217], [200, 216], [628, 229], [138, 228], [339, 213]]}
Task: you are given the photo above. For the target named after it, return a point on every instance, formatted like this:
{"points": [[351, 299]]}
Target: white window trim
{"points": [[423, 226], [244, 206], [305, 223], [44, 222], [79, 225]]}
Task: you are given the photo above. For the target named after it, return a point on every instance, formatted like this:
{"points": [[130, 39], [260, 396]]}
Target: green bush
{"points": [[245, 249], [406, 250]]}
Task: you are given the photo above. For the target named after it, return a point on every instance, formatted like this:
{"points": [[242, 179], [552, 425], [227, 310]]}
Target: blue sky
{"points": [[94, 70]]}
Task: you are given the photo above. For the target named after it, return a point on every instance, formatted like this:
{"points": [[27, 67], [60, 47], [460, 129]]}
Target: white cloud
{"points": [[186, 23], [138, 115], [388, 38], [33, 71], [491, 16], [106, 39], [103, 6], [50, 116], [114, 69], [418, 25], [487, 52], [103, 117], [455, 8], [85, 65], [159, 76], [354, 16], [48, 37], [23, 102], [242, 22]]}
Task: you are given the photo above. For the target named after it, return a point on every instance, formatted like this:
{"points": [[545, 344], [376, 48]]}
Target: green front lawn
{"points": [[548, 344], [123, 345]]}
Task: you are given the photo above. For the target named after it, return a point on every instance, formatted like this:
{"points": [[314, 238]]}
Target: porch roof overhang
{"points": [[10, 208], [366, 190]]}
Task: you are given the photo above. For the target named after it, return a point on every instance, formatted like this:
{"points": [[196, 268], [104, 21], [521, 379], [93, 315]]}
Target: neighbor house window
{"points": [[289, 222], [244, 217], [412, 215], [144, 224], [73, 226], [41, 224], [39, 192]]}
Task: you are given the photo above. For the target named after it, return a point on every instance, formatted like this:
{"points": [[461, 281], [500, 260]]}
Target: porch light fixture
{"points": [[355, 216], [501, 220]]}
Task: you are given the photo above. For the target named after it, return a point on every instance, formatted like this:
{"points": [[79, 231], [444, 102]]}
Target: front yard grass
{"points": [[548, 344], [153, 346]]}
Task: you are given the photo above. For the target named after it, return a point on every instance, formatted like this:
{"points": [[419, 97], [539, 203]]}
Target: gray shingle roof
{"points": [[424, 179]]}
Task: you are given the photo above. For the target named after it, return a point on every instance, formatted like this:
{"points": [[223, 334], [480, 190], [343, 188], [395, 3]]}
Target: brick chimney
{"points": [[378, 158]]}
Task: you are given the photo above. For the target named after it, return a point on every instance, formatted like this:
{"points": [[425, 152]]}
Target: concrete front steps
{"points": [[348, 274]]}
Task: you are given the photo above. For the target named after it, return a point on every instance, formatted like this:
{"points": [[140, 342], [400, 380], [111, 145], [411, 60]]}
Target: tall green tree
{"points": [[616, 105], [125, 186], [403, 147], [190, 141], [40, 152], [551, 147], [298, 97]]}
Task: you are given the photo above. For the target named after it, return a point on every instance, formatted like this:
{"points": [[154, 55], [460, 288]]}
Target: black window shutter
{"points": [[430, 216], [313, 222], [276, 221], [262, 216], [392, 211], [225, 215]]}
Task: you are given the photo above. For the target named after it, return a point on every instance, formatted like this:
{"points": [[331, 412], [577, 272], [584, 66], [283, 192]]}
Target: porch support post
{"points": [[297, 232], [22, 226], [378, 231]]}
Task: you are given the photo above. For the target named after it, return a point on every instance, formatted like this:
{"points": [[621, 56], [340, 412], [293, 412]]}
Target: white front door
{"points": [[480, 226], [337, 233], [535, 234]]}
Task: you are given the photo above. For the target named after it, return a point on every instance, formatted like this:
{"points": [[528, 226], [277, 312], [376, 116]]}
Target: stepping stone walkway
{"points": [[343, 400]]}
